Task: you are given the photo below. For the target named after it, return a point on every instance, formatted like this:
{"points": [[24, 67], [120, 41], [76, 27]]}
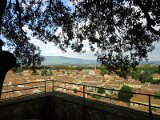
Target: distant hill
{"points": [[150, 62], [61, 60]]}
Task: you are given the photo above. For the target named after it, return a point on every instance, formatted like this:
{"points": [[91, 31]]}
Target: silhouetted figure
{"points": [[7, 62]]}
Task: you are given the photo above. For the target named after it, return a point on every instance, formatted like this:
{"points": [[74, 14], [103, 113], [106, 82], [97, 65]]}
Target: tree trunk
{"points": [[3, 4]]}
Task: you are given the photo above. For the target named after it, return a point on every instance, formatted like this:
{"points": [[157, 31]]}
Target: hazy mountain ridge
{"points": [[61, 60], [150, 62]]}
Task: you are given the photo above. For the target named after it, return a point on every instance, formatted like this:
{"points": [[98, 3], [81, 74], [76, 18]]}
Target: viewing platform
{"points": [[57, 100]]}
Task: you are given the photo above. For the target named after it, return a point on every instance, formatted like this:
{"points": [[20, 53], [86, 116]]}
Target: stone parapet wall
{"points": [[61, 106]]}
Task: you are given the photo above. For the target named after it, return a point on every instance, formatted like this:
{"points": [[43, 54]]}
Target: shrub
{"points": [[96, 96], [75, 90], [101, 90], [124, 95], [17, 69], [157, 96]]}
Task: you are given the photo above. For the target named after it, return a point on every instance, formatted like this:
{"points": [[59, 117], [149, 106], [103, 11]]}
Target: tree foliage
{"points": [[146, 77], [117, 29], [157, 96], [121, 32], [103, 70], [46, 72], [125, 93], [40, 17], [101, 90]]}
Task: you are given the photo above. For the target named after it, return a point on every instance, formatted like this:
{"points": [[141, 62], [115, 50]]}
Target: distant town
{"points": [[145, 80]]}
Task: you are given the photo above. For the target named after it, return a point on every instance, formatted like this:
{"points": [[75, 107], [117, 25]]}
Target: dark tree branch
{"points": [[18, 9], [9, 5], [3, 4], [39, 5], [145, 9], [19, 15]]}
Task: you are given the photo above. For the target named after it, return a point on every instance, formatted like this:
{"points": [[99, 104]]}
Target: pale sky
{"points": [[155, 54], [51, 50]]}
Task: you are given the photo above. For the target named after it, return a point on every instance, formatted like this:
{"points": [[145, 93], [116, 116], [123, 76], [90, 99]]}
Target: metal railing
{"points": [[85, 91]]}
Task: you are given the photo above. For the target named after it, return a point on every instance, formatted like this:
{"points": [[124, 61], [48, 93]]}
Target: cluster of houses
{"points": [[89, 77]]}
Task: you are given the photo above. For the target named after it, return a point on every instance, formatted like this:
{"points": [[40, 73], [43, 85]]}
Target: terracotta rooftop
{"points": [[135, 82]]}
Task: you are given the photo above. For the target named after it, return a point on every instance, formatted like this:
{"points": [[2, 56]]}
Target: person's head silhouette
{"points": [[7, 62]]}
